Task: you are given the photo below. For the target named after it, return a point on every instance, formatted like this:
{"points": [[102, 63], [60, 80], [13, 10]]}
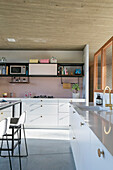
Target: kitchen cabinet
{"points": [[86, 146], [47, 112], [42, 113], [43, 69]]}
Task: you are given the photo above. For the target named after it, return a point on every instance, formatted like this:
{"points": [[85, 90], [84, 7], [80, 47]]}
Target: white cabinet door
{"points": [[42, 69], [63, 113], [43, 109], [41, 120], [97, 162]]}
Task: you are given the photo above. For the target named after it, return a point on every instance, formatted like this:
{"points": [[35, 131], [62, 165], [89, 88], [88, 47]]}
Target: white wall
{"points": [[25, 55]]}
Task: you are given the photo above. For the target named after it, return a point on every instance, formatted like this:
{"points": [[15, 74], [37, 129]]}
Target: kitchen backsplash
{"points": [[38, 86]]}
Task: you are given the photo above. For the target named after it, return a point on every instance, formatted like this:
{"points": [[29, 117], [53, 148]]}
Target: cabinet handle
{"points": [[100, 153], [40, 116], [1, 113], [41, 105], [69, 125], [41, 100], [73, 112], [74, 138], [81, 123], [69, 106]]}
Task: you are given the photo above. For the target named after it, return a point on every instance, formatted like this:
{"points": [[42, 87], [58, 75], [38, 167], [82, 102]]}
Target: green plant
{"points": [[75, 87]]}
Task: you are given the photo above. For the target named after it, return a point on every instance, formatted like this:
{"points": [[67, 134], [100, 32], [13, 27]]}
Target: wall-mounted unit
{"points": [[42, 70]]}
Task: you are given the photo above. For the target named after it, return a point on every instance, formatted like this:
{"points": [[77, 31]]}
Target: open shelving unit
{"points": [[70, 70], [63, 70]]}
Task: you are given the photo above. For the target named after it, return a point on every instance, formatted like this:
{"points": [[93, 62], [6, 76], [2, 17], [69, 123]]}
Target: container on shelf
{"points": [[53, 60], [33, 60], [44, 60]]}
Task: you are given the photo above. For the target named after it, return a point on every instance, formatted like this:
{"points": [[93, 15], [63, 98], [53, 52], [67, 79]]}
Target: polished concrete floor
{"points": [[48, 150]]}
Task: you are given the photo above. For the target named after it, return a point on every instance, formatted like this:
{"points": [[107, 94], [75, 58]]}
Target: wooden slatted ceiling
{"points": [[55, 24]]}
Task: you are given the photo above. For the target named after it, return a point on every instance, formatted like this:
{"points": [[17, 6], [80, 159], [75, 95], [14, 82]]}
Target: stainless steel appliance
{"points": [[17, 69]]}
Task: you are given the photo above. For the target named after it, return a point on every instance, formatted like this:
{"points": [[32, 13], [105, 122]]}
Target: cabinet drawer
{"points": [[41, 120], [43, 109], [42, 101], [102, 162]]}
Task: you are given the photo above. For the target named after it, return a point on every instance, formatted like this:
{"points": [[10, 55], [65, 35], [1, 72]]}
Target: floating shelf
{"points": [[20, 82]]}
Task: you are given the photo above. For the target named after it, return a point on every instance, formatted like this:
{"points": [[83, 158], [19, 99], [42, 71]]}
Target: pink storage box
{"points": [[44, 60]]}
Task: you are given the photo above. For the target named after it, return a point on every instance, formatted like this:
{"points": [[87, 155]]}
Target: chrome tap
{"points": [[108, 105]]}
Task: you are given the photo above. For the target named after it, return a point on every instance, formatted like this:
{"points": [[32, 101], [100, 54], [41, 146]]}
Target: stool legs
{"points": [[9, 154], [25, 141], [19, 152]]}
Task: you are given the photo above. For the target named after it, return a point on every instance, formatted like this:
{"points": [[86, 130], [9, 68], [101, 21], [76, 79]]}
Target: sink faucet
{"points": [[108, 105]]}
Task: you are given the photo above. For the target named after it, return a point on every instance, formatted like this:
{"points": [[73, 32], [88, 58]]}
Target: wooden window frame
{"points": [[102, 51], [96, 71]]}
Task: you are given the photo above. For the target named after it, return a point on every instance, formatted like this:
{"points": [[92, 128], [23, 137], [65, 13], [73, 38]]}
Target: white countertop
{"points": [[34, 99]]}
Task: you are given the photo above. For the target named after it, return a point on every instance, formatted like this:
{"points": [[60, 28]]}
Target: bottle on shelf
{"points": [[6, 70], [3, 70], [66, 72], [0, 70], [14, 79]]}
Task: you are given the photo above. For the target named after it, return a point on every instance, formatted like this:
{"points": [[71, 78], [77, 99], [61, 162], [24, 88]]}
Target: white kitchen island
{"points": [[91, 137]]}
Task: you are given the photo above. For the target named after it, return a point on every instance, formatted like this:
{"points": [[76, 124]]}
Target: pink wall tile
{"points": [[39, 86]]}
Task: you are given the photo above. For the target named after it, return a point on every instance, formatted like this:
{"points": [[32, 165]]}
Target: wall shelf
{"points": [[19, 82], [70, 67]]}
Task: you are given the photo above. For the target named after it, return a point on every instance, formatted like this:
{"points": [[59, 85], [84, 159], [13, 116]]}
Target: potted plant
{"points": [[75, 89]]}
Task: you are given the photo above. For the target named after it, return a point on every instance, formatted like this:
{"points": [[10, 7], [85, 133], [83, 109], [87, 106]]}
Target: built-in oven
{"points": [[17, 69]]}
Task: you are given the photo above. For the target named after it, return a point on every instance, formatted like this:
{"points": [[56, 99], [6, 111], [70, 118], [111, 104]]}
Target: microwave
{"points": [[18, 69]]}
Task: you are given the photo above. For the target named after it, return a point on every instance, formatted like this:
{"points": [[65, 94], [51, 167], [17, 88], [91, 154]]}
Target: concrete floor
{"points": [[48, 150]]}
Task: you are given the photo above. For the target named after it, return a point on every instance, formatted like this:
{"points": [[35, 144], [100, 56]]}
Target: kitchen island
{"points": [[91, 136]]}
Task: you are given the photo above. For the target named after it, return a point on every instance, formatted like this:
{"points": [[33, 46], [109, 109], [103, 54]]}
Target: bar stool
{"points": [[16, 124], [3, 128]]}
